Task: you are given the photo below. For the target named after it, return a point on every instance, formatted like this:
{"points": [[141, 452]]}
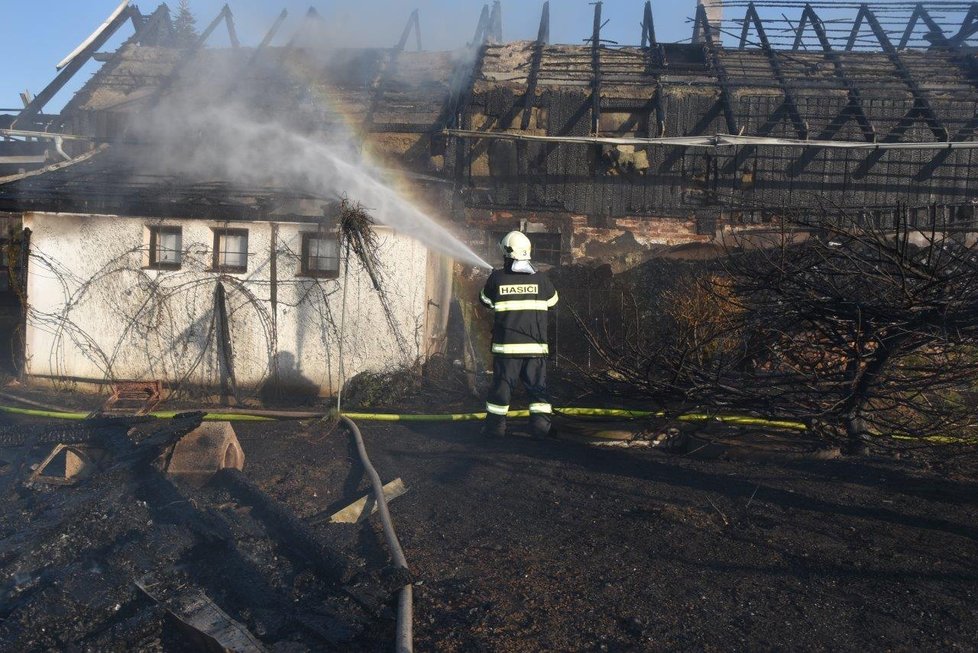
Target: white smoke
{"points": [[212, 129]]}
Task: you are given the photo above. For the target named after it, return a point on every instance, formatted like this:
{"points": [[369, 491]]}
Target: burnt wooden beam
{"points": [[181, 63], [495, 30], [921, 100], [967, 132], [855, 107], [414, 24], [533, 76], [458, 98], [379, 83], [596, 70], [482, 28], [529, 97], [969, 26], [790, 104], [856, 26], [648, 27], [920, 13], [158, 29], [265, 42], [37, 104], [895, 135], [312, 16], [800, 31], [272, 31], [206, 34], [713, 56], [232, 30]]}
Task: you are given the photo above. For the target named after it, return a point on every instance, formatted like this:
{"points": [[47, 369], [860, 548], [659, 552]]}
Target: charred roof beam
{"points": [[379, 85], [920, 98], [596, 69], [936, 34], [70, 68], [482, 28], [225, 16], [157, 29], [298, 39], [969, 27], [414, 23], [232, 30], [495, 27], [648, 27], [649, 39], [543, 38], [791, 105], [713, 55], [855, 107], [270, 34]]}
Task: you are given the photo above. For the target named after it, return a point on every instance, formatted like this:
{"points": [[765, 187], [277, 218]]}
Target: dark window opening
{"points": [[231, 250], [165, 247], [320, 256], [546, 248]]}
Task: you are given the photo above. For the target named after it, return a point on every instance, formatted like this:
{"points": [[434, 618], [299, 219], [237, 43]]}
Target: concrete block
{"points": [[200, 454], [67, 464]]}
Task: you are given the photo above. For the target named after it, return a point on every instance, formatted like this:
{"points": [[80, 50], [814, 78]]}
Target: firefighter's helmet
{"points": [[516, 245]]}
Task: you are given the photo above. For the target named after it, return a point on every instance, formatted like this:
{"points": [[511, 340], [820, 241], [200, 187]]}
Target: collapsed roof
{"points": [[868, 83]]}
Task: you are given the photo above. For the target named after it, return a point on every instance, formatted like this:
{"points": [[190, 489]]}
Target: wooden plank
{"points": [[214, 628], [362, 508]]}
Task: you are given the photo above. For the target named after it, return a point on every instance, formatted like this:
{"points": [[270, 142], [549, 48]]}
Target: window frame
{"points": [[539, 247], [304, 268], [154, 233], [224, 232]]}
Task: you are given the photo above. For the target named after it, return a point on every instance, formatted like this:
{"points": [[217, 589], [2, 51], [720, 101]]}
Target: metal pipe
{"points": [[717, 141], [405, 608]]}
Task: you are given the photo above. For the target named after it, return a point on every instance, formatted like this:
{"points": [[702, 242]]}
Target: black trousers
{"points": [[506, 372]]}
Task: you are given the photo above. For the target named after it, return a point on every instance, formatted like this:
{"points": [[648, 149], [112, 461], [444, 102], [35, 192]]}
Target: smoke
{"points": [[277, 129]]}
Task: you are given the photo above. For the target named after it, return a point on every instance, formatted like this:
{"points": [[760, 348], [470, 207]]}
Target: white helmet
{"points": [[516, 245]]}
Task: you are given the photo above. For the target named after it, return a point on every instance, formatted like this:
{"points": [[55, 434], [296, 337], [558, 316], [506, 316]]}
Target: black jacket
{"points": [[520, 302]]}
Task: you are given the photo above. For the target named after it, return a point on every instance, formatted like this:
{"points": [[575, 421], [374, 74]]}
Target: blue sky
{"points": [[39, 33]]}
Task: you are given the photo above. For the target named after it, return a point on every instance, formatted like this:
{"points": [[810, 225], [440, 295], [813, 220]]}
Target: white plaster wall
{"points": [[96, 313]]}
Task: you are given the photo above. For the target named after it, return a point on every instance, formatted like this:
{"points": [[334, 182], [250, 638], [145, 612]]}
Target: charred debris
{"points": [[871, 112]]}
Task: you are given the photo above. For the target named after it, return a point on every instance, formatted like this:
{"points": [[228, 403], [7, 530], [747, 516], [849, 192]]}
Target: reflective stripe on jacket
{"points": [[520, 302]]}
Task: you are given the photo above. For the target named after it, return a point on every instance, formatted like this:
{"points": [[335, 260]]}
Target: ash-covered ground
{"points": [[514, 544]]}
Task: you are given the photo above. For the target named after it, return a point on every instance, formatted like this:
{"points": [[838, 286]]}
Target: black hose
{"points": [[405, 599]]}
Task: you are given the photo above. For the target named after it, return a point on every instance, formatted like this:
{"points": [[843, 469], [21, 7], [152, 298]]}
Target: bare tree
{"points": [[859, 326]]}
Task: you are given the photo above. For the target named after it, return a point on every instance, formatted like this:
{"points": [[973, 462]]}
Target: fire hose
{"points": [[247, 415], [405, 600]]}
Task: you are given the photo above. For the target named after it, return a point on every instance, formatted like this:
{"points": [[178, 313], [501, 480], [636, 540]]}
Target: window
{"points": [[320, 256], [231, 250], [165, 247], [546, 248]]}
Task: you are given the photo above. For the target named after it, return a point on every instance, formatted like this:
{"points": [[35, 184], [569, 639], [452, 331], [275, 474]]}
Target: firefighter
{"points": [[520, 298]]}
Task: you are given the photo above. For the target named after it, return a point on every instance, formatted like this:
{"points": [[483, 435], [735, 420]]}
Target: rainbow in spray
{"points": [[245, 143]]}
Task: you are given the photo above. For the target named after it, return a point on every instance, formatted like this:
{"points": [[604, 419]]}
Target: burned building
{"points": [[601, 152]]}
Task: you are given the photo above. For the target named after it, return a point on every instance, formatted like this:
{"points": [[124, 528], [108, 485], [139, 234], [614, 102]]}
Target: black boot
{"points": [[540, 427], [494, 426]]}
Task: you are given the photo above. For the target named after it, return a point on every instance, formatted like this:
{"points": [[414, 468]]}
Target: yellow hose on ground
{"points": [[453, 417], [736, 420]]}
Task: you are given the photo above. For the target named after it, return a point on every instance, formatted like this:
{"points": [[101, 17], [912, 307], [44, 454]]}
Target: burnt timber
{"points": [[871, 80]]}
